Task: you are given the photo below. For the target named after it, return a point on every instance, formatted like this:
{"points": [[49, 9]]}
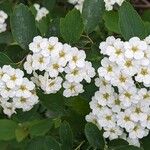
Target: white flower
{"points": [[78, 4], [144, 96], [72, 89], [53, 85], [138, 132], [77, 58], [143, 75], [35, 45], [128, 97], [3, 17], [107, 119], [124, 120], [122, 81], [107, 70], [91, 118], [64, 54], [8, 108], [54, 68], [129, 66], [28, 64], [112, 133], [116, 51], [74, 75], [139, 113], [50, 47], [115, 103], [25, 103], [104, 95], [135, 48], [7, 92], [12, 77], [40, 62], [101, 82], [24, 90], [41, 12], [89, 71]]}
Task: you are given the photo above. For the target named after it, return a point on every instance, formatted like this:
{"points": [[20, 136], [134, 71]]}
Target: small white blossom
{"points": [[3, 17], [41, 12]]}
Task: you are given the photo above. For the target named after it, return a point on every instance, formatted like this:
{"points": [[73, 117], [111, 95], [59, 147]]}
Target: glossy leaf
{"points": [[92, 14], [23, 26]]}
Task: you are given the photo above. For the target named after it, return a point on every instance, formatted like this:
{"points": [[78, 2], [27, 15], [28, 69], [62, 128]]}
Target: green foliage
{"points": [[66, 136], [7, 129], [43, 143], [54, 103], [4, 59], [94, 136], [130, 22], [92, 14], [111, 19], [56, 122], [71, 27], [23, 26]]}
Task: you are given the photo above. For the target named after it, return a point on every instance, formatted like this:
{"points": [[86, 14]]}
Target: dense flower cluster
{"points": [[16, 91], [108, 3], [41, 12], [3, 17], [78, 4], [121, 106], [53, 62]]}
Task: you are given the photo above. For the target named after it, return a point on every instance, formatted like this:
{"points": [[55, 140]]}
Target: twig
{"points": [[146, 2], [77, 148], [142, 6], [86, 36]]}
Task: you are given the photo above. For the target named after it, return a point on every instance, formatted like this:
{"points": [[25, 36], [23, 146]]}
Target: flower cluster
{"points": [[41, 12], [16, 91], [52, 62], [121, 106], [3, 17], [78, 4], [108, 4]]}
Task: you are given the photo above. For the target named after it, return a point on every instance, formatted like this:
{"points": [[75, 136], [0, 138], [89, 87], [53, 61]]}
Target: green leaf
{"points": [[21, 133], [41, 127], [6, 6], [31, 115], [94, 136], [147, 27], [53, 102], [54, 28], [4, 59], [130, 22], [16, 53], [78, 104], [111, 19], [145, 142], [7, 129], [146, 16], [66, 136], [126, 148], [43, 25], [6, 37], [92, 14], [71, 26], [117, 142], [49, 4], [43, 143], [23, 26]]}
